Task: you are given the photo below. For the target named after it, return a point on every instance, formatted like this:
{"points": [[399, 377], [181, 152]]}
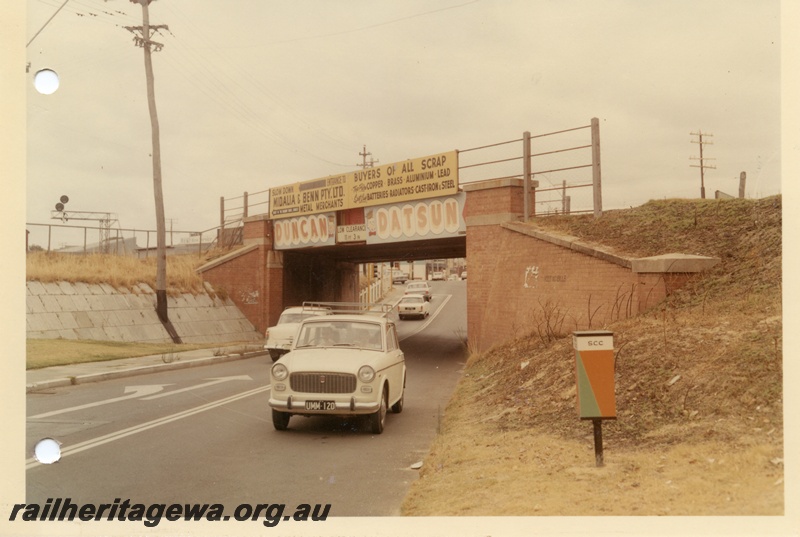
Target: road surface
{"points": [[205, 435]]}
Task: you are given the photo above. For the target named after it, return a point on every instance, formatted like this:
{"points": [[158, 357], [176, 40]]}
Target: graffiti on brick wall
{"points": [[248, 297], [531, 275]]}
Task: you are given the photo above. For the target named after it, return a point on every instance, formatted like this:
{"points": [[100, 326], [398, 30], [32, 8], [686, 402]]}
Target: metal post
{"points": [[702, 175], [526, 172], [49, 234], [221, 220], [598, 441], [742, 178], [244, 207], [596, 183]]}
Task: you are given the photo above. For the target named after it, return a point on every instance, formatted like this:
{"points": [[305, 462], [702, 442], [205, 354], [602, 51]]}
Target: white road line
{"points": [[430, 318], [105, 439], [204, 385], [138, 391]]}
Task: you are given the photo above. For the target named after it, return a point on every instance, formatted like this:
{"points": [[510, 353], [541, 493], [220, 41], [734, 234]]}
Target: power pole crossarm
{"points": [[364, 164]]}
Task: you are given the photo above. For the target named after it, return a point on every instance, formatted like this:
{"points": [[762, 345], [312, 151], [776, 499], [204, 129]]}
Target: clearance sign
{"points": [[426, 177]]}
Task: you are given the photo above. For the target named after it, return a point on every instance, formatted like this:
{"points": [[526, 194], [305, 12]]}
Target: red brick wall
{"points": [[519, 285], [523, 285], [262, 282], [242, 277]]}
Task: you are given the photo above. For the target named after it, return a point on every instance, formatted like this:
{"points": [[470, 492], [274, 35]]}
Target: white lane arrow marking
{"points": [[213, 381], [132, 391]]}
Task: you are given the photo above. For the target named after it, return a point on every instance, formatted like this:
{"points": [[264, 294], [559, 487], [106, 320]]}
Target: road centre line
{"points": [[430, 318], [105, 439]]}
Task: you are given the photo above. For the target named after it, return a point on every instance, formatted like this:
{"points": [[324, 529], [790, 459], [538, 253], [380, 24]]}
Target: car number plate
{"points": [[320, 405]]}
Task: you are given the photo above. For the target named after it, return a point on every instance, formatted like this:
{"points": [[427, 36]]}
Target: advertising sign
{"points": [[414, 179], [305, 231], [425, 219]]}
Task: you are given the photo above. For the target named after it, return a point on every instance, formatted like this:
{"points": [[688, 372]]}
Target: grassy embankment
{"points": [[121, 272], [699, 389]]}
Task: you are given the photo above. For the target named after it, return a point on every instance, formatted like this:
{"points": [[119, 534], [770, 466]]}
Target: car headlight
{"points": [[366, 373], [280, 372]]}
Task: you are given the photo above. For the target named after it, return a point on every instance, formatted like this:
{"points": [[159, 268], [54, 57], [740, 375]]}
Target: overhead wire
{"points": [[255, 83]]}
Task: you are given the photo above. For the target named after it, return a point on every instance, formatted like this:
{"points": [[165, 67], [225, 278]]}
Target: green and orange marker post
{"points": [[594, 375]]}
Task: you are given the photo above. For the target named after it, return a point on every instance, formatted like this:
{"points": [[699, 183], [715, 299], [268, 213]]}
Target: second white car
{"points": [[413, 306]]}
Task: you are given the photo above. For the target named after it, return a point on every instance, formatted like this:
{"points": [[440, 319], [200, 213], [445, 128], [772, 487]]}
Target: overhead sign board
{"points": [[305, 231], [435, 218], [414, 179]]}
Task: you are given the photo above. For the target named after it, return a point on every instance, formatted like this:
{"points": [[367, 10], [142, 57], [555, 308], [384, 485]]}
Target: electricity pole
{"points": [[702, 167], [142, 38], [364, 164]]}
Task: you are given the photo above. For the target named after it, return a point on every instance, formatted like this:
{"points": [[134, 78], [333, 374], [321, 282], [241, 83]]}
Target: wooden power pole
{"points": [[143, 38], [702, 166]]}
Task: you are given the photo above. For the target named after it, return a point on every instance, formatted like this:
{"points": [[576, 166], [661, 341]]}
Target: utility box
{"points": [[594, 373]]}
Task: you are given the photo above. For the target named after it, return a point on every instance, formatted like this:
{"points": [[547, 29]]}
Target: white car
{"points": [[419, 288], [340, 365], [398, 276], [438, 276], [280, 336], [412, 306]]}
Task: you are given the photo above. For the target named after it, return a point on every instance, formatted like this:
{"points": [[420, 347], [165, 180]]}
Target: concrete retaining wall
{"points": [[100, 312]]}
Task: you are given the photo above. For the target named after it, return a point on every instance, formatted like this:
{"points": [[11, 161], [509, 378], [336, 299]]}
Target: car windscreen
{"points": [[336, 333], [413, 300]]}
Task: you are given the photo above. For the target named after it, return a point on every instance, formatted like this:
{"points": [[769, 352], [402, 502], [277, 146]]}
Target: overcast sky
{"points": [[254, 94]]}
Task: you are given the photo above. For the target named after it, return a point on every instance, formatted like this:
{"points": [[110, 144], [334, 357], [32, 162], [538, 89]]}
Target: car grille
{"points": [[323, 382]]}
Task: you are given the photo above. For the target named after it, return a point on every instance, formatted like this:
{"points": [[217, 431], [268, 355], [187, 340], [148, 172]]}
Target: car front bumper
{"points": [[345, 405]]}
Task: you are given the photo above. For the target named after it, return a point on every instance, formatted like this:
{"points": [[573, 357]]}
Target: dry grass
{"points": [[699, 389], [117, 271]]}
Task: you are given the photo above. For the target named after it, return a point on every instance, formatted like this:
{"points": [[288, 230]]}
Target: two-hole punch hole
{"points": [[46, 81]]}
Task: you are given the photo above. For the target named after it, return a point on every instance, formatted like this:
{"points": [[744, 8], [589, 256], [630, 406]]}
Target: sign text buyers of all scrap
{"points": [[414, 179]]}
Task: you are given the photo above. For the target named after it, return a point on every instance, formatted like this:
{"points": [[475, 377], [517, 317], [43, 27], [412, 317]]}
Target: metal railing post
{"points": [[526, 171], [598, 192]]}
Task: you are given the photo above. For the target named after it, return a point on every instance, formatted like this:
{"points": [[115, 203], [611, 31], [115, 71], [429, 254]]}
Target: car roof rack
{"points": [[352, 308]]}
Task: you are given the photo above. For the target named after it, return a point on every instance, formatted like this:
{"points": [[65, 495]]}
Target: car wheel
{"points": [[377, 421], [280, 419], [398, 406], [275, 355]]}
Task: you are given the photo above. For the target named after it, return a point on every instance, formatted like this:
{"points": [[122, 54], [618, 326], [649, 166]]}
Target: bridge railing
{"points": [[566, 164], [77, 239]]}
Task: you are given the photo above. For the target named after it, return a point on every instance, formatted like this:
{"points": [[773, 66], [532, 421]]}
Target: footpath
{"points": [[67, 375]]}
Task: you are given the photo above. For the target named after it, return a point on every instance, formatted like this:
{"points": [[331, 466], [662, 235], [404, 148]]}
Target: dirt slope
{"points": [[698, 382]]}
